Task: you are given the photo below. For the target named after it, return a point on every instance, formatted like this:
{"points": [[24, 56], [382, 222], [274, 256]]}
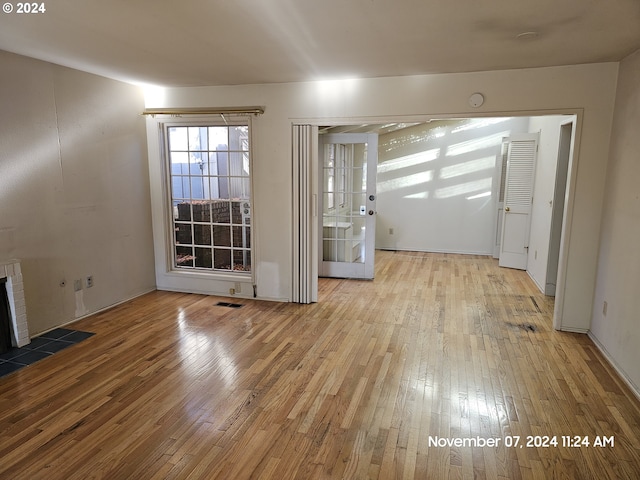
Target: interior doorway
{"points": [[565, 154], [386, 126]]}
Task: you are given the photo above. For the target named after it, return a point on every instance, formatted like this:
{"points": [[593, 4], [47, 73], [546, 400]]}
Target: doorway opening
{"points": [[436, 178]]}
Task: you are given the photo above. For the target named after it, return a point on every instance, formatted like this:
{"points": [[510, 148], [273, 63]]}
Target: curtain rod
{"points": [[204, 111]]}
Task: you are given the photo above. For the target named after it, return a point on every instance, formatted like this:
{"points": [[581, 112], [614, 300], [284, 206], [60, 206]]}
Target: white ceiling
{"points": [[228, 42]]}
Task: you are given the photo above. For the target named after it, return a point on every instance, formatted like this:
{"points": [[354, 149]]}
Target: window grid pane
{"points": [[210, 197]]}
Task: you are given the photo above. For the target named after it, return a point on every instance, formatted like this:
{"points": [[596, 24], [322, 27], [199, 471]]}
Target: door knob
{"points": [[507, 209]]}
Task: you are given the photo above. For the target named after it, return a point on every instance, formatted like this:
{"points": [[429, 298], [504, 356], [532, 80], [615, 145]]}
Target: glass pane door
{"points": [[348, 163]]}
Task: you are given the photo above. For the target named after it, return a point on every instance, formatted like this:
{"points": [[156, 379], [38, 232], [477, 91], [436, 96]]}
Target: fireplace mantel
{"points": [[10, 269]]}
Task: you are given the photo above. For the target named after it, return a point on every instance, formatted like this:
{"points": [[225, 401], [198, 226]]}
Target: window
{"points": [[210, 195], [330, 176], [336, 167]]}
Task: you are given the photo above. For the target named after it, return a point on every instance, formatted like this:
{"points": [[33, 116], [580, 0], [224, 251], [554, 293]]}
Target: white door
{"points": [[348, 205], [514, 244]]}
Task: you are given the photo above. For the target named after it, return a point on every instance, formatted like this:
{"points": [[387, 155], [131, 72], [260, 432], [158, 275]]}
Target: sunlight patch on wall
{"points": [[411, 138], [464, 188], [48, 155], [420, 195], [480, 195], [466, 168], [19, 167], [334, 89], [154, 96], [405, 181], [409, 161], [476, 144], [478, 123]]}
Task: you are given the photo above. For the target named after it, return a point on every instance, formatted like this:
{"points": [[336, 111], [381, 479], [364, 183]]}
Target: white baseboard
{"points": [[222, 294], [540, 287], [573, 330], [634, 388]]}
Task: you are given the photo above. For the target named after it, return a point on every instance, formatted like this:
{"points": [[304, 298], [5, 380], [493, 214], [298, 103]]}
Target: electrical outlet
{"points": [[232, 291], [238, 287], [90, 281], [77, 285], [391, 231], [604, 308]]}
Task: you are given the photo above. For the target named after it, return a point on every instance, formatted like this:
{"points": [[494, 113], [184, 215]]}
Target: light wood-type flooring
{"points": [[380, 379]]}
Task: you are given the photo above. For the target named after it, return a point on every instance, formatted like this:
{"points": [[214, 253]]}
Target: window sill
{"points": [[241, 277]]}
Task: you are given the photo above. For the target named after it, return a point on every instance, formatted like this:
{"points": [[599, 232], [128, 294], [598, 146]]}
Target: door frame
{"points": [[426, 117], [567, 219], [518, 259], [566, 140]]}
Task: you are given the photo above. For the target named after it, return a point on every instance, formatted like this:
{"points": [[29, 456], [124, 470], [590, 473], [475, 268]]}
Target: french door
{"points": [[347, 225]]}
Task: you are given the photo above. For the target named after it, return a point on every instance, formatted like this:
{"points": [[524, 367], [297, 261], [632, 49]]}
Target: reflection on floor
{"points": [[40, 347]]}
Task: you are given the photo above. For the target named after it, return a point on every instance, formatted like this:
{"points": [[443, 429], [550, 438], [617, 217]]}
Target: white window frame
{"points": [[170, 240]]}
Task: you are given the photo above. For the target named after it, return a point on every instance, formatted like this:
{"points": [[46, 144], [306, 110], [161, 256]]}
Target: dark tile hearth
{"points": [[40, 347]]}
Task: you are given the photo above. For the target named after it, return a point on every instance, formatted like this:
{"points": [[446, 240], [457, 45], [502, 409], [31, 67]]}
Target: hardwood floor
{"points": [[379, 379]]}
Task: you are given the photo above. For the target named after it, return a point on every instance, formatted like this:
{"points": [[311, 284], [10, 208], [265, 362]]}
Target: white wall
{"points": [[543, 192], [618, 333], [586, 89], [438, 185], [74, 188]]}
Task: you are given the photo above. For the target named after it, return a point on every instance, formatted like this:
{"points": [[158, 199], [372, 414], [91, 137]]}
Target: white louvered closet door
{"points": [[518, 199]]}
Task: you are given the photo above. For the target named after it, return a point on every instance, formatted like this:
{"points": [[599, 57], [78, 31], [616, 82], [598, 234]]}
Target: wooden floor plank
{"points": [[438, 348]]}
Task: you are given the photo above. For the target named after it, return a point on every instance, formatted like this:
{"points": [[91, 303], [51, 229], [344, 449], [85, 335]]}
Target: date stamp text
{"points": [[529, 441]]}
